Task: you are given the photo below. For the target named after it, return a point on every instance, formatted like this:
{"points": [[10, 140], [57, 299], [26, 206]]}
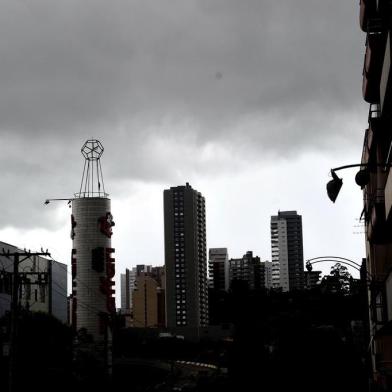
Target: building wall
{"points": [[123, 285], [50, 296], [92, 303], [268, 274], [145, 302], [59, 290]]}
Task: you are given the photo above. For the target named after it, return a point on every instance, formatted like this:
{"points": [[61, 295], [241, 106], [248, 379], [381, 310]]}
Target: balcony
{"points": [[376, 224]]}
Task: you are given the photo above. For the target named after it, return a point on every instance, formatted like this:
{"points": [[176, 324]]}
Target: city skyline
{"points": [[255, 127]]}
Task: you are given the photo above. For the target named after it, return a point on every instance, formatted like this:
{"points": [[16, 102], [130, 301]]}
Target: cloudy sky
{"points": [[250, 101]]}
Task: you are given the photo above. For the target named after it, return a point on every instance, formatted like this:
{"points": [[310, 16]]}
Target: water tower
{"points": [[92, 261]]}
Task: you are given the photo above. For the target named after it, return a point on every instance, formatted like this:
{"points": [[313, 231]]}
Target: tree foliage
{"points": [[338, 281]]}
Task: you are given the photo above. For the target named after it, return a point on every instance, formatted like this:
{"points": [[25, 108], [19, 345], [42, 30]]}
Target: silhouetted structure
{"points": [[312, 279], [42, 284], [218, 264], [185, 258], [248, 269], [376, 180]]}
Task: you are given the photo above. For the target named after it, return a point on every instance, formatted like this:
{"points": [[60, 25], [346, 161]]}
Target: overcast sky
{"points": [[250, 101]]}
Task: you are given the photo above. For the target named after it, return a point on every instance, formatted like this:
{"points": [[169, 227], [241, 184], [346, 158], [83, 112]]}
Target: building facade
{"points": [[42, 284], [145, 302], [375, 21], [128, 285], [126, 291], [268, 274], [248, 269], [287, 251], [218, 265], [185, 258]]}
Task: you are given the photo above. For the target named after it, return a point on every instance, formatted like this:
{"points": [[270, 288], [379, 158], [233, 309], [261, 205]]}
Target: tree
{"points": [[338, 281]]}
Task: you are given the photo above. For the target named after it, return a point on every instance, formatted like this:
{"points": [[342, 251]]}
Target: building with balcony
{"points": [[375, 21], [185, 258]]}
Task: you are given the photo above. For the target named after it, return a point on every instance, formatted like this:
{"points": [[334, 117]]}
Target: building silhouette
{"points": [[268, 274], [185, 258], [287, 251], [248, 269], [312, 279], [375, 178], [218, 265]]}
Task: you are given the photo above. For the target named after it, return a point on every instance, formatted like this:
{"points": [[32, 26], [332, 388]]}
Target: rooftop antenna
{"points": [[92, 184]]}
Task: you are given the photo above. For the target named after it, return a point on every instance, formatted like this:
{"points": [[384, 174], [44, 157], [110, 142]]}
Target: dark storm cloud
{"points": [[149, 76], [71, 64]]}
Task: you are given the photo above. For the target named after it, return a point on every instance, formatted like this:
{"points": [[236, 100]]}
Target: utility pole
{"points": [[15, 310]]}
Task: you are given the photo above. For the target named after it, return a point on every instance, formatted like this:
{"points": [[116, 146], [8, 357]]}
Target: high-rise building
{"points": [[185, 258], [287, 251], [218, 264], [248, 269]]}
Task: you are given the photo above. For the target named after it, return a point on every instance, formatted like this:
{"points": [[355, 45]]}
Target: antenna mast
{"points": [[92, 184]]}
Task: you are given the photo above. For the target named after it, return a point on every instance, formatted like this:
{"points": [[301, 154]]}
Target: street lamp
{"points": [[362, 178]]}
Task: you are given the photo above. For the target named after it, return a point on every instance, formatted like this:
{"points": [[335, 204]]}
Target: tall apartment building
{"points": [[249, 269], [218, 264], [376, 22], [185, 258], [287, 251]]}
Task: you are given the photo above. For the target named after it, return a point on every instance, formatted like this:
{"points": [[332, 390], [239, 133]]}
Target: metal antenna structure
{"points": [[92, 184]]}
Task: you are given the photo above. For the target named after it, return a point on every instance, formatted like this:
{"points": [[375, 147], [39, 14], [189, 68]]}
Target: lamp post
{"points": [[362, 178]]}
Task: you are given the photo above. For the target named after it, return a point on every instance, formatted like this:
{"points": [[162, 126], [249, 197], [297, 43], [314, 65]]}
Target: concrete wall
{"points": [[90, 300]]}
